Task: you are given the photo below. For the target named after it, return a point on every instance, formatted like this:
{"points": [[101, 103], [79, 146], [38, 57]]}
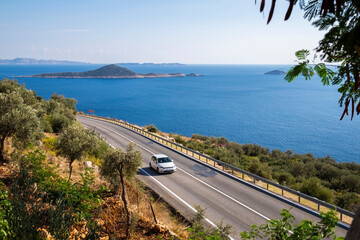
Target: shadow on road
{"points": [[203, 171], [150, 171]]}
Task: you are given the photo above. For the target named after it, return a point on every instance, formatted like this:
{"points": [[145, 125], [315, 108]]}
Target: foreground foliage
{"points": [[340, 46], [285, 229], [39, 199]]}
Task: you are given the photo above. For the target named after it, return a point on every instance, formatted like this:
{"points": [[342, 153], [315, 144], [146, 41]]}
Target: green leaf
{"points": [[324, 73], [302, 54]]}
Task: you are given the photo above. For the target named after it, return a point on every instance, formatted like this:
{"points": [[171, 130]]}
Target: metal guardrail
{"points": [[316, 204]]}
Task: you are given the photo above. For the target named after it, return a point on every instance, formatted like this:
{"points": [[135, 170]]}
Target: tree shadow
{"points": [[203, 171]]}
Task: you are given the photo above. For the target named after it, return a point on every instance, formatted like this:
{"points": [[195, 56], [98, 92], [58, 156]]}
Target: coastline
{"points": [[110, 77]]}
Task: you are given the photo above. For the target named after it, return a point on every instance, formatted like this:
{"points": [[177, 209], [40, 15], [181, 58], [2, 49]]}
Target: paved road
{"points": [[225, 199]]}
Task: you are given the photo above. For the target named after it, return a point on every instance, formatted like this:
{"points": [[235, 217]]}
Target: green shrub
{"points": [[313, 187], [286, 229], [348, 200], [152, 128], [40, 198], [198, 231], [5, 206], [59, 121]]}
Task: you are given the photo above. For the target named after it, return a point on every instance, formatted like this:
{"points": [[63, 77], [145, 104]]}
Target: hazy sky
{"points": [[186, 31]]}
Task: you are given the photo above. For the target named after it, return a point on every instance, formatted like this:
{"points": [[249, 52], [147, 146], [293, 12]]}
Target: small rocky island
{"points": [[109, 71], [276, 72]]}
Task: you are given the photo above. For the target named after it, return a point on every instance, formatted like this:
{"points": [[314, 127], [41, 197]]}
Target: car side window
{"points": [[154, 159]]}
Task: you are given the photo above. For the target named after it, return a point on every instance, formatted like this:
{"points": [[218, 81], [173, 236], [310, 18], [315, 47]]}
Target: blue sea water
{"points": [[238, 102]]}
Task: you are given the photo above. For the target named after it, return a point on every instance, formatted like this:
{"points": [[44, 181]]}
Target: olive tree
{"points": [[17, 120], [74, 142], [118, 165]]}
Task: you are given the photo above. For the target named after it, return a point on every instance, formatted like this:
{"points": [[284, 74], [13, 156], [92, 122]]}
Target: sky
{"points": [[184, 31]]}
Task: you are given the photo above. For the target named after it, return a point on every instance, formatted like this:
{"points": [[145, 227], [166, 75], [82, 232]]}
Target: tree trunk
{"points": [[354, 231], [123, 196], [70, 169], [2, 146]]}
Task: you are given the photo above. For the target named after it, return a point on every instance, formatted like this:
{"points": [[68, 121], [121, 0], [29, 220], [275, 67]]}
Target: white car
{"points": [[162, 163]]}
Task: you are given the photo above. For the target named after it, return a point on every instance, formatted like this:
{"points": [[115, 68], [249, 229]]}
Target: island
{"points": [[276, 72], [109, 71], [193, 75]]}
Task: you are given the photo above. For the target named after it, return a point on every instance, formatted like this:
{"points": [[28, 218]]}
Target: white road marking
{"points": [[162, 185], [199, 180], [224, 194]]}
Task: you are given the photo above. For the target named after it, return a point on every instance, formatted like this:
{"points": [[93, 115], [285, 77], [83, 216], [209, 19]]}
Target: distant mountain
{"points": [[152, 64], [33, 61], [276, 72], [108, 71]]}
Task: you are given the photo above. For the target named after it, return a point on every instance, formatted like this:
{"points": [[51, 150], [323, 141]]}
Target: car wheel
{"points": [[150, 165], [157, 169]]}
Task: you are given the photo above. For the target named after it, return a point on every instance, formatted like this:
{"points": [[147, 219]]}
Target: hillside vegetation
{"points": [[40, 199], [59, 180], [323, 178]]}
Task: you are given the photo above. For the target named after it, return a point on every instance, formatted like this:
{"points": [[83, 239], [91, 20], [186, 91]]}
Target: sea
{"points": [[238, 102]]}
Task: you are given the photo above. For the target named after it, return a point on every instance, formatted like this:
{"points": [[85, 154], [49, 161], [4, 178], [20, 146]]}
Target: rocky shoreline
{"points": [[112, 71]]}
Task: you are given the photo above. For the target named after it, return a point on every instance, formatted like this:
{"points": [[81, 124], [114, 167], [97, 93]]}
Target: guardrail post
{"points": [[175, 146]]}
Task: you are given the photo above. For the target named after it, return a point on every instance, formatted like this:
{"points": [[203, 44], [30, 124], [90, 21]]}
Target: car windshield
{"points": [[164, 160]]}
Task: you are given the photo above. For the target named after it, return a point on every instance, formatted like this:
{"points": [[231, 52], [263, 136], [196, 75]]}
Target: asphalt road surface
{"points": [[224, 198]]}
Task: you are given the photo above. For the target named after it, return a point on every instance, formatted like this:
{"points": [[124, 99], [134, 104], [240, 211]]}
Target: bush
{"points": [[286, 229], [40, 198], [352, 182], [179, 139], [59, 121], [198, 231], [260, 169], [313, 187], [152, 128], [348, 200], [284, 178]]}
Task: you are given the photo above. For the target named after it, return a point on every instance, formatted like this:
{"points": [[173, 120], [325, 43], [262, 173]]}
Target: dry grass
{"points": [[111, 216]]}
